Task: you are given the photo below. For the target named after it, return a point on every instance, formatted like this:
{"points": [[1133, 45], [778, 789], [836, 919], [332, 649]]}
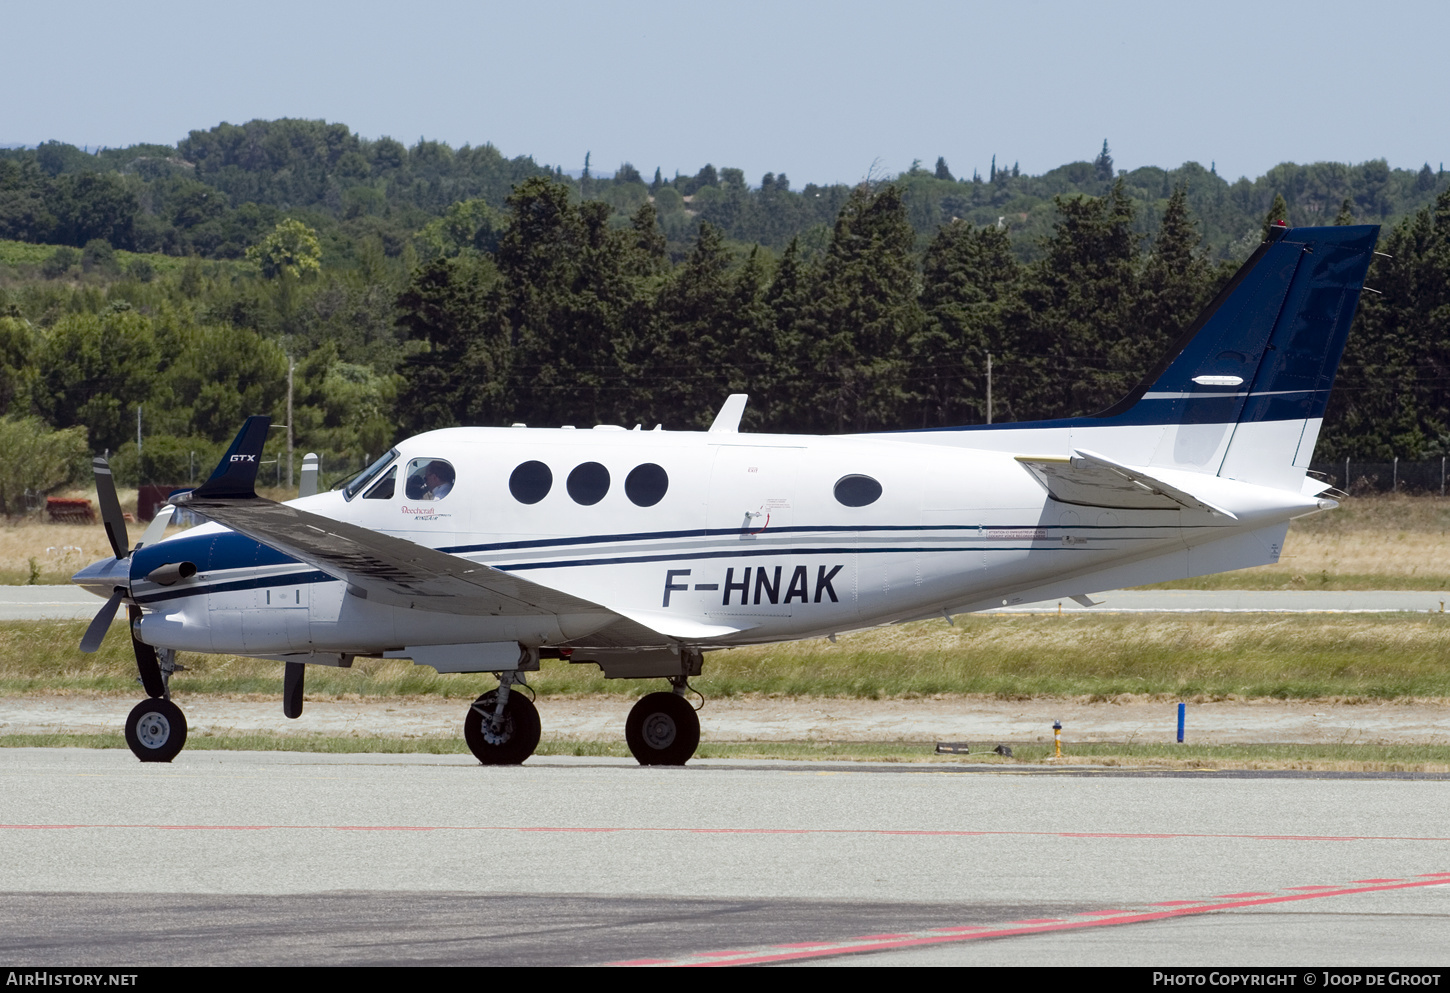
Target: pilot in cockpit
{"points": [[439, 477]]}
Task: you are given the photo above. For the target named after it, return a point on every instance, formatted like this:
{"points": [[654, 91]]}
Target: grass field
{"points": [[1385, 542], [34, 550], [1186, 656]]}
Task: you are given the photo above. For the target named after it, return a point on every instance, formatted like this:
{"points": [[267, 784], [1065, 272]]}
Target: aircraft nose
{"points": [[103, 576]]}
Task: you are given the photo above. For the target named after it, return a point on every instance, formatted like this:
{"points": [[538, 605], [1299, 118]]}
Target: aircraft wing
{"points": [[1095, 481], [387, 568]]}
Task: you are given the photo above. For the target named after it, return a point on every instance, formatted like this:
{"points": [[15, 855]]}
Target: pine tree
{"points": [[1177, 281], [863, 316], [786, 384], [1079, 333], [1103, 164], [1279, 211], [969, 275], [1346, 213], [693, 342], [942, 172], [1390, 398]]}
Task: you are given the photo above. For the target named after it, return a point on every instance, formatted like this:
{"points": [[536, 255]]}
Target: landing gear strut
{"points": [[155, 728], [502, 727], [663, 729]]}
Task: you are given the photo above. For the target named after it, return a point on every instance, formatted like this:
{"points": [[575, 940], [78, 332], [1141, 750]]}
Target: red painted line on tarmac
{"points": [[1036, 920], [568, 830], [1102, 913], [951, 930], [1051, 926]]}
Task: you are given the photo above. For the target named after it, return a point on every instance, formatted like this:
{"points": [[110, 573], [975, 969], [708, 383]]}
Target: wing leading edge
{"points": [[398, 572]]}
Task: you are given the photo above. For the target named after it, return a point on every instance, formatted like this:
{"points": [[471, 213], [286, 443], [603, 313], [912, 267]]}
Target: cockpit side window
{"points": [[369, 474], [429, 479], [383, 488]]}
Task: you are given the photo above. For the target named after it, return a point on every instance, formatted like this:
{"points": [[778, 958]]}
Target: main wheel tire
{"points": [[518, 738], [662, 729], [156, 730]]}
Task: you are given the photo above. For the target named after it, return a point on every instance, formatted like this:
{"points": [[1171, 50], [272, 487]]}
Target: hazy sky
{"points": [[820, 91]]}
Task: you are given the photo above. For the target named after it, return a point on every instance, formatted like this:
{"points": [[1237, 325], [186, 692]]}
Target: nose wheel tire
{"points": [[156, 730], [662, 729], [514, 741]]}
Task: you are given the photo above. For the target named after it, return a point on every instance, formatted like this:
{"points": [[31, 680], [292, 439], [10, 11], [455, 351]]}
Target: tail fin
{"points": [[1242, 393]]}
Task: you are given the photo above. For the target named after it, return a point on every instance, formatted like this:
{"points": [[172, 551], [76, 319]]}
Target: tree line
{"points": [[550, 308]]}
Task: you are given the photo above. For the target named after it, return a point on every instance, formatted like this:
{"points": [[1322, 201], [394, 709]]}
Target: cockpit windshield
{"points": [[351, 489]]}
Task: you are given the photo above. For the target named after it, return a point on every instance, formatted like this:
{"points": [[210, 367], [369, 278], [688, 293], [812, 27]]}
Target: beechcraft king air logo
{"points": [[762, 584]]}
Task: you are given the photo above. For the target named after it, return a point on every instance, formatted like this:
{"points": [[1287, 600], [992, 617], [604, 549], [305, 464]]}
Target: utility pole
{"points": [[989, 383], [291, 364]]}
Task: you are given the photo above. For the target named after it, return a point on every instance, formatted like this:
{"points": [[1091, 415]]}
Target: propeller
{"points": [[114, 520]]}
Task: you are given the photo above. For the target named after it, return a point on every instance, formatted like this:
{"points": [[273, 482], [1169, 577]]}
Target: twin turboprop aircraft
{"points": [[490, 549]]}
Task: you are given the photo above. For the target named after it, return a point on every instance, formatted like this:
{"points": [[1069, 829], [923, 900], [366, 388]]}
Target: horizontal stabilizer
{"points": [[1094, 481], [235, 477]]}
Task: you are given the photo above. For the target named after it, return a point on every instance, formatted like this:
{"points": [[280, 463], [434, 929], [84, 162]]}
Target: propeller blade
{"points": [[111, 514], [96, 633], [157, 527], [147, 662]]}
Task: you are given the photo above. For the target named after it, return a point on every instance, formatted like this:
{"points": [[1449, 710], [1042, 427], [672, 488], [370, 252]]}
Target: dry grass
{"points": [[34, 550], [1383, 542], [1187, 656]]}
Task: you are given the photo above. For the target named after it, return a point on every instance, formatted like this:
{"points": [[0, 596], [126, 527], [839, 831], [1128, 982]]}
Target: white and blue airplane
{"points": [[489, 549]]}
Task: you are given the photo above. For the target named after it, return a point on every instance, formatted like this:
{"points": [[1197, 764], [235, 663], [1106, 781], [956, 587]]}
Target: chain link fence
{"points": [[1427, 476]]}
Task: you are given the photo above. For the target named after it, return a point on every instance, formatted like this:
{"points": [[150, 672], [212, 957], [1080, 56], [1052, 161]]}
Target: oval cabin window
{"points": [[588, 483], [531, 482], [857, 491], [646, 484]]}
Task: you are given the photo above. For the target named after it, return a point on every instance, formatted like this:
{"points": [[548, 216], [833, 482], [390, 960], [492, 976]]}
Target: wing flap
{"points": [[1095, 481]]}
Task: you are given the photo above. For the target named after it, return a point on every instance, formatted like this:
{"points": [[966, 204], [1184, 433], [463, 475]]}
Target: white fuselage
{"points": [[749, 541]]}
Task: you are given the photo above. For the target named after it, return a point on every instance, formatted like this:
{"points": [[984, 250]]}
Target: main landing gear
{"points": [[663, 729], [156, 728], [502, 726]]}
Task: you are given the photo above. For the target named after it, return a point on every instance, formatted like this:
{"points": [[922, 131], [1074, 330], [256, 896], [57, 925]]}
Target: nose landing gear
{"points": [[156, 730]]}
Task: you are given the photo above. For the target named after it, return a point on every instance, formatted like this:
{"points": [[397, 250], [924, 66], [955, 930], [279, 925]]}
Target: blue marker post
{"points": [[1180, 723]]}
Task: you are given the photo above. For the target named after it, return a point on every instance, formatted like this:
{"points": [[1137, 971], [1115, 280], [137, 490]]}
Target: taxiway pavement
{"points": [[290, 858]]}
